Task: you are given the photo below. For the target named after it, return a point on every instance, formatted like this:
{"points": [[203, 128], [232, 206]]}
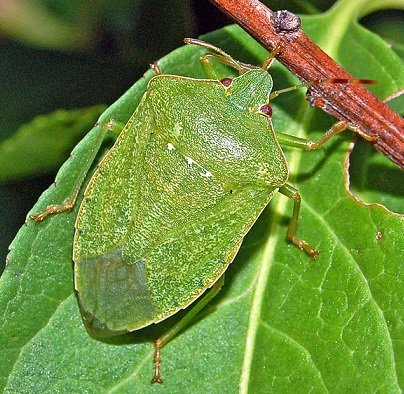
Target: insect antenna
{"points": [[220, 56], [320, 81]]}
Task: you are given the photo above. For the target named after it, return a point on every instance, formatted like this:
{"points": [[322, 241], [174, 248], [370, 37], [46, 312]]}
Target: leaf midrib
{"points": [[342, 21]]}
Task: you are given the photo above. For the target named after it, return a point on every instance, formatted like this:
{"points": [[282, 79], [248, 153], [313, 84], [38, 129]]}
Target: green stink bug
{"points": [[190, 182]]}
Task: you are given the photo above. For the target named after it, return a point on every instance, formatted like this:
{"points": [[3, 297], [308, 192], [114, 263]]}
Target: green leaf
{"points": [[43, 144], [282, 322]]}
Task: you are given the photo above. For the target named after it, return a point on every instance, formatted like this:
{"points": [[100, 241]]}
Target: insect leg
{"points": [[156, 68], [270, 59], [294, 195], [165, 338], [306, 144], [70, 201], [303, 143], [319, 103]]}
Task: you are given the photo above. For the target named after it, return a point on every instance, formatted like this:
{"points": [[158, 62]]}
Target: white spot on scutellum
{"points": [[170, 146]]}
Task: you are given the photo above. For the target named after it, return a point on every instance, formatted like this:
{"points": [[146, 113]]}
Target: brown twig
{"points": [[352, 103]]}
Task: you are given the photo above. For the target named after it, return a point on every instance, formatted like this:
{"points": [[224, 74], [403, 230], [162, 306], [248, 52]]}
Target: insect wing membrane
{"points": [[157, 227], [103, 223]]}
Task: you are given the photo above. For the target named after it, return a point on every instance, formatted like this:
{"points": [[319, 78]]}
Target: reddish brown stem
{"points": [[352, 103]]}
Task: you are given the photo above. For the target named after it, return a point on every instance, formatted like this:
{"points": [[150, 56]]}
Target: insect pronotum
{"points": [[169, 205]]}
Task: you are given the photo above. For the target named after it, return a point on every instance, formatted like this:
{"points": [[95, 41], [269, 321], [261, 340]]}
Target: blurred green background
{"points": [[74, 54]]}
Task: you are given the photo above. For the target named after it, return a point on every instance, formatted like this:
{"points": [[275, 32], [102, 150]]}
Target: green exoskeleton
{"points": [[169, 205]]}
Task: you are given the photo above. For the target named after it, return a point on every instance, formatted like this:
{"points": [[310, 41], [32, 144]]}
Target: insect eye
{"points": [[226, 82], [265, 110]]}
